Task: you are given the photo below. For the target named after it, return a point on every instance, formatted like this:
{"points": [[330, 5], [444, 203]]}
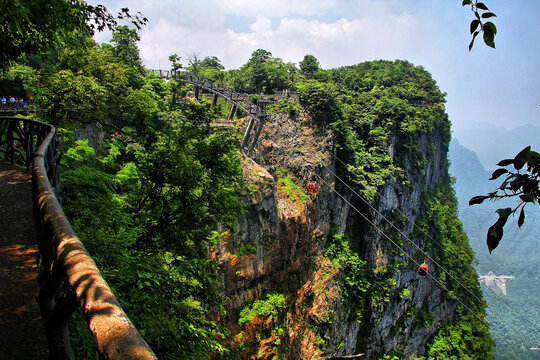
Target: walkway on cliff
{"points": [[21, 329]]}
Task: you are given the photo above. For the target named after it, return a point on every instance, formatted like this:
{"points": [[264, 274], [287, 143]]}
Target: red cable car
{"points": [[423, 269], [312, 187]]}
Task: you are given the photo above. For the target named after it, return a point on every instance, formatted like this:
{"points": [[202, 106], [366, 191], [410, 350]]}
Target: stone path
{"points": [[21, 329]]}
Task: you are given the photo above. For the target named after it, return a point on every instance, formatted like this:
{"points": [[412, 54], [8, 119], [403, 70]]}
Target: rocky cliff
{"points": [[324, 275]]}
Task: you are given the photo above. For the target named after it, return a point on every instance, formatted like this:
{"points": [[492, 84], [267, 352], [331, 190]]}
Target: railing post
{"points": [[11, 132], [257, 133], [231, 113], [245, 139], [57, 303]]}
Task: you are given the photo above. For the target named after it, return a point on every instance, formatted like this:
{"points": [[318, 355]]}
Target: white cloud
{"points": [[364, 30], [261, 25], [278, 8]]}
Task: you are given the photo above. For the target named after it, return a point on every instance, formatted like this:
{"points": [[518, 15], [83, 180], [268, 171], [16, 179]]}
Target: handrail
{"points": [[69, 278], [239, 100]]}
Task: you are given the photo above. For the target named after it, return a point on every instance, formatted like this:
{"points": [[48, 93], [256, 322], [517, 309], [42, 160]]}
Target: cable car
{"points": [[423, 269], [312, 187]]}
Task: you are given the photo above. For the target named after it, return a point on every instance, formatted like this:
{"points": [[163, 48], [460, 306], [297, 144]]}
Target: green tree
{"points": [[260, 56], [308, 66], [212, 62], [125, 47], [194, 63], [175, 62], [261, 74], [78, 87], [34, 27], [320, 100]]}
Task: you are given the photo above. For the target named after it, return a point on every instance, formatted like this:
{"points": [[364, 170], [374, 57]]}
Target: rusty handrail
{"points": [[69, 278]]}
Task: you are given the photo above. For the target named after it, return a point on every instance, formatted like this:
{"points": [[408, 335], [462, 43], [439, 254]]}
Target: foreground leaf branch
{"points": [[488, 29], [522, 183]]}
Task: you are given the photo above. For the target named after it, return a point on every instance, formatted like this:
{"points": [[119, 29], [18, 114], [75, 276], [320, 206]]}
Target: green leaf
{"points": [[523, 153], [520, 159], [533, 158], [477, 199], [504, 213], [518, 182], [530, 186], [494, 236], [474, 25], [505, 162], [521, 219], [472, 41], [519, 163], [527, 197], [489, 38], [495, 232], [488, 15], [498, 173], [489, 34], [466, 2], [482, 6], [490, 27]]}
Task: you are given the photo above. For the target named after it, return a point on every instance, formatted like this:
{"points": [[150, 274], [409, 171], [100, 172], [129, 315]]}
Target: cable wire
{"points": [[417, 263], [429, 257]]}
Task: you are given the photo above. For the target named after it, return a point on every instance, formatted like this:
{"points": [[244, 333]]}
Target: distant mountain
{"points": [[518, 255], [493, 143], [468, 171]]}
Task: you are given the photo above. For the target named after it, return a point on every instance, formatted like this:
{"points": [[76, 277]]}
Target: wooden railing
{"points": [[69, 278]]}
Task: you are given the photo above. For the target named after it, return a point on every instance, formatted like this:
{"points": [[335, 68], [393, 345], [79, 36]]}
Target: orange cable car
{"points": [[423, 269], [312, 187]]}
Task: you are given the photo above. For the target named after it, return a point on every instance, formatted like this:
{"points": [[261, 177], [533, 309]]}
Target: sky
{"points": [[485, 87]]}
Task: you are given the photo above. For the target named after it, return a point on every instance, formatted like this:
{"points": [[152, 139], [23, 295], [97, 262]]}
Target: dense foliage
{"points": [[363, 287], [144, 188], [35, 26], [365, 105]]}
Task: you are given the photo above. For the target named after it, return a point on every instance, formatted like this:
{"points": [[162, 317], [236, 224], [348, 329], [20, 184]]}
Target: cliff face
{"points": [[415, 315], [298, 291]]}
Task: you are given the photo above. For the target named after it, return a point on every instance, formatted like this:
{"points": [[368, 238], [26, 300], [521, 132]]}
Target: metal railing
{"points": [[69, 278], [239, 100]]}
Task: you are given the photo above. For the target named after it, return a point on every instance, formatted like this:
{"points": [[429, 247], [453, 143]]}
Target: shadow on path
{"points": [[21, 328]]}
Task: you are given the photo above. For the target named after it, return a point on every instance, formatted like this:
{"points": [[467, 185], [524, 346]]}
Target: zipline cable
{"points": [[442, 286], [433, 240]]}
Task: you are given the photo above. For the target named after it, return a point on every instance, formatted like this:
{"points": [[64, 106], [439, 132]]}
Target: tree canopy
{"points": [[35, 26], [308, 66]]}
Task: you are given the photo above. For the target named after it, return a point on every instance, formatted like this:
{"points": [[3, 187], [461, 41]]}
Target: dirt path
{"points": [[21, 329]]}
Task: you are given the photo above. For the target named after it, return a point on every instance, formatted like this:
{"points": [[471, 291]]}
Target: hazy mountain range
{"points": [[515, 318], [492, 143]]}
